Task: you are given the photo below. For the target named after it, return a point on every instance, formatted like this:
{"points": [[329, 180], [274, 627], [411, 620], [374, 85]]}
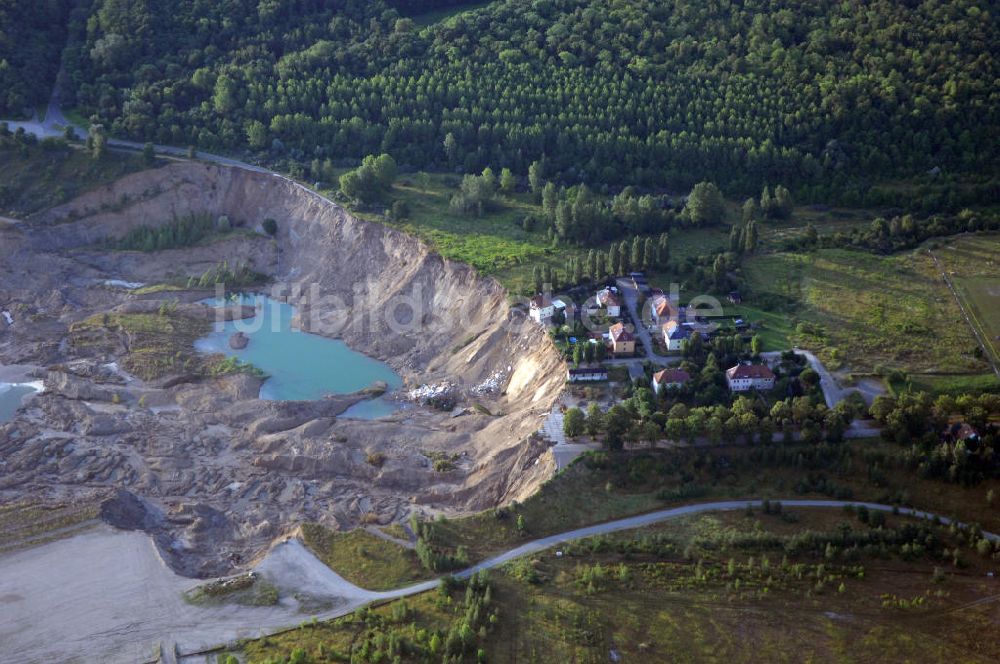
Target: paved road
{"points": [[832, 391], [631, 296]]}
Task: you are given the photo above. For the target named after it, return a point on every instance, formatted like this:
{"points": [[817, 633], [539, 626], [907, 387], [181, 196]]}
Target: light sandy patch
{"points": [[106, 596]]}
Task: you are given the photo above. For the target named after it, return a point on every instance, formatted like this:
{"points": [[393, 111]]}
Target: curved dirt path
{"points": [[321, 576], [105, 595]]}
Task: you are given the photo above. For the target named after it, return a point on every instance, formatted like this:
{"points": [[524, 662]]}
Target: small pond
{"points": [[13, 395], [300, 366]]}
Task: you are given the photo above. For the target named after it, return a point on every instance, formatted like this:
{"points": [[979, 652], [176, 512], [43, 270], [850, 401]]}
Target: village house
{"points": [[541, 309], [610, 299], [586, 374], [669, 379], [663, 310], [622, 341], [675, 334], [745, 377]]}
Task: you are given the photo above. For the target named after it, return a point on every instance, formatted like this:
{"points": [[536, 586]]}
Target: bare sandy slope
{"points": [[214, 473], [107, 596]]}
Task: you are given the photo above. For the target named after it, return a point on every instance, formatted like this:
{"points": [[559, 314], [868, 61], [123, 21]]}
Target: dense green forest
{"points": [[32, 35], [649, 92]]}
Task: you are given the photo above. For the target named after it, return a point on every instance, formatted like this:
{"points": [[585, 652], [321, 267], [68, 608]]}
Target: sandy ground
{"points": [[106, 596]]}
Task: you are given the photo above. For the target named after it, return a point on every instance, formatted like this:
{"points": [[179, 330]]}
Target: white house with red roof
{"points": [[669, 379], [745, 377]]}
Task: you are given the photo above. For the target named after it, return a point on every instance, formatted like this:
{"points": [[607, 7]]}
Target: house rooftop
{"points": [[619, 333], [675, 331], [587, 371], [608, 298], [540, 301], [668, 376], [757, 371]]}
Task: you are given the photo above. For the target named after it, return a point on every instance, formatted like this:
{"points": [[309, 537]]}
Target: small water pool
{"points": [[13, 395], [300, 366]]}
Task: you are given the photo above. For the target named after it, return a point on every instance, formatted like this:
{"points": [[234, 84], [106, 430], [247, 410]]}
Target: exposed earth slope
{"points": [[213, 472]]}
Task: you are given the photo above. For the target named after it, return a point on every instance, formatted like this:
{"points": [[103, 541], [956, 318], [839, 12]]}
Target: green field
{"points": [[364, 559], [973, 263], [862, 312]]}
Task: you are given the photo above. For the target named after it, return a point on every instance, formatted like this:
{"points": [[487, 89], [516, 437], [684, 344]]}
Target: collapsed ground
{"points": [[197, 460]]}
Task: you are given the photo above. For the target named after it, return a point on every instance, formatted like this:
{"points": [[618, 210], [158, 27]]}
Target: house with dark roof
{"points": [[674, 334], [745, 377], [669, 379]]}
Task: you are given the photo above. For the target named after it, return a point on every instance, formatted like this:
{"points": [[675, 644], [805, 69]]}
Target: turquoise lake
{"points": [[300, 366], [11, 398]]}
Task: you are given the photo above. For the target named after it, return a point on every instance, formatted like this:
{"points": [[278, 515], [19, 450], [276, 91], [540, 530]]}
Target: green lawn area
{"points": [[775, 329], [954, 384], [364, 559], [860, 312]]}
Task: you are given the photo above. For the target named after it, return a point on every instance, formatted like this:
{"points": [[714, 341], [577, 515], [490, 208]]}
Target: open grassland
{"points": [[603, 488], [701, 597], [862, 312], [364, 559], [973, 263], [789, 585], [36, 177]]}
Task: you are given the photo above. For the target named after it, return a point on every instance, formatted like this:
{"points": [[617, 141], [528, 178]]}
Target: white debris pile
{"points": [[7, 317], [430, 391], [119, 283], [494, 382]]}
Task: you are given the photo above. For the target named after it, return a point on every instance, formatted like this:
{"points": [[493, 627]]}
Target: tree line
{"points": [[821, 95]]}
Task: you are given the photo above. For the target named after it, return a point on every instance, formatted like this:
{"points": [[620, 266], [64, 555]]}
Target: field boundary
{"points": [[988, 353]]}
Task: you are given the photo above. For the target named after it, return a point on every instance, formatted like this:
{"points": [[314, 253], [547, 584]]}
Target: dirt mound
{"points": [[229, 472], [127, 511]]}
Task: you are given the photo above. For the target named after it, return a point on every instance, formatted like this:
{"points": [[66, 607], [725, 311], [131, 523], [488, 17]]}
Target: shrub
{"points": [[270, 226]]}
